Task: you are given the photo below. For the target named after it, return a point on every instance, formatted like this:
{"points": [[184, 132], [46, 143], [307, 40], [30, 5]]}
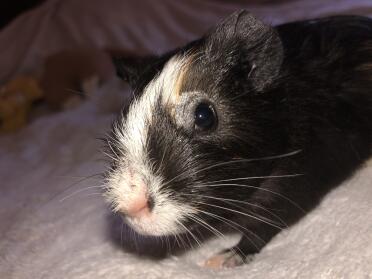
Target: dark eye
{"points": [[205, 117]]}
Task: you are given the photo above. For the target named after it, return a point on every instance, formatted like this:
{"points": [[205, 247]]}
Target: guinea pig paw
{"points": [[227, 259]]}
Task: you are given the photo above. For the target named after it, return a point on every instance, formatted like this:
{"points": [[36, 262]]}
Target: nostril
{"points": [[138, 201], [150, 202], [138, 207]]}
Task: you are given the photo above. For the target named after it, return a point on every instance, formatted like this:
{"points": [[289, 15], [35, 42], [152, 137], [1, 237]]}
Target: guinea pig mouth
{"points": [[150, 225], [168, 218]]}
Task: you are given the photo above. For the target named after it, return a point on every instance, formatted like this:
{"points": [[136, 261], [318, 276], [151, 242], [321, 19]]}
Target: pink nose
{"points": [[138, 207], [139, 203]]}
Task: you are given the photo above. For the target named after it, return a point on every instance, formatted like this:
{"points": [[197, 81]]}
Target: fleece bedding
{"points": [[54, 222]]}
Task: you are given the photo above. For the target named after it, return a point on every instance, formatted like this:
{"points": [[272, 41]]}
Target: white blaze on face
{"points": [[132, 136]]}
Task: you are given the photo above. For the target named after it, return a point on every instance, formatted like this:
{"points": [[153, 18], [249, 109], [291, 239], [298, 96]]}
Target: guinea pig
{"points": [[247, 127]]}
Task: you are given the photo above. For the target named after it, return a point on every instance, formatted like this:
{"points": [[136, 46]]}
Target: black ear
{"points": [[254, 43], [134, 69]]}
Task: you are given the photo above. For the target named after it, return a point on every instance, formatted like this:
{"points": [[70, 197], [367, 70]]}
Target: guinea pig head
{"points": [[193, 126]]}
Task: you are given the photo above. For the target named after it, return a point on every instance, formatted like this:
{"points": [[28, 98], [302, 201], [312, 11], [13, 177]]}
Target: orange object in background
{"points": [[16, 98]]}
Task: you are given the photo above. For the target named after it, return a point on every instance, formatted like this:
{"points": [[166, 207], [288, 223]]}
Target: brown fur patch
{"points": [[181, 77], [179, 84]]}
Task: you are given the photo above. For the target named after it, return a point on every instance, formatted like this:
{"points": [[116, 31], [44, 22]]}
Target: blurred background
{"points": [[9, 11]]}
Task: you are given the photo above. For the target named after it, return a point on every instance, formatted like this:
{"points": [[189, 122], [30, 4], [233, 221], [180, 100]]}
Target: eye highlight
{"points": [[205, 117]]}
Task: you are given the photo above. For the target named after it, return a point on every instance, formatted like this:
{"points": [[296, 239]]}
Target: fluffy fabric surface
{"points": [[55, 224]]}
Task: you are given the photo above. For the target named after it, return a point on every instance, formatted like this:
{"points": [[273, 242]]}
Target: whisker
{"points": [[79, 191], [185, 234], [178, 243], [233, 225], [110, 156], [241, 213], [192, 235], [112, 150], [282, 223], [79, 177], [184, 246], [79, 181], [258, 188], [108, 138], [241, 202], [54, 196], [250, 160], [164, 242], [207, 226], [238, 161], [256, 177], [162, 159], [173, 242], [136, 239], [91, 194], [212, 229], [121, 233]]}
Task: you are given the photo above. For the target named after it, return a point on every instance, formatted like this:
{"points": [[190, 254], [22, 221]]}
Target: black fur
{"points": [[304, 86]]}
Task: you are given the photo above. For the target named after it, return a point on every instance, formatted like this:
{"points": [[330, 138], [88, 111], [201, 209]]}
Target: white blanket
{"points": [[53, 228]]}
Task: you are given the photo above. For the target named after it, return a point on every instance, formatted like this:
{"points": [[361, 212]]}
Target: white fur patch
{"points": [[132, 135]]}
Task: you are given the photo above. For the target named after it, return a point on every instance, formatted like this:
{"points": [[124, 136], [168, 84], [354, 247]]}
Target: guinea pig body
{"points": [[247, 127]]}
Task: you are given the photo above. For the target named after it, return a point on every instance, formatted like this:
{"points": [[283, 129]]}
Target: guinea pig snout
{"points": [[140, 203]]}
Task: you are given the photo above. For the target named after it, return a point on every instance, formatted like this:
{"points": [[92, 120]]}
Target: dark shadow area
{"points": [[155, 248], [9, 10]]}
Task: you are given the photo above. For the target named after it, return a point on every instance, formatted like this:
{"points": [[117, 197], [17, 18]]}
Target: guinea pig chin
{"points": [[145, 207]]}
